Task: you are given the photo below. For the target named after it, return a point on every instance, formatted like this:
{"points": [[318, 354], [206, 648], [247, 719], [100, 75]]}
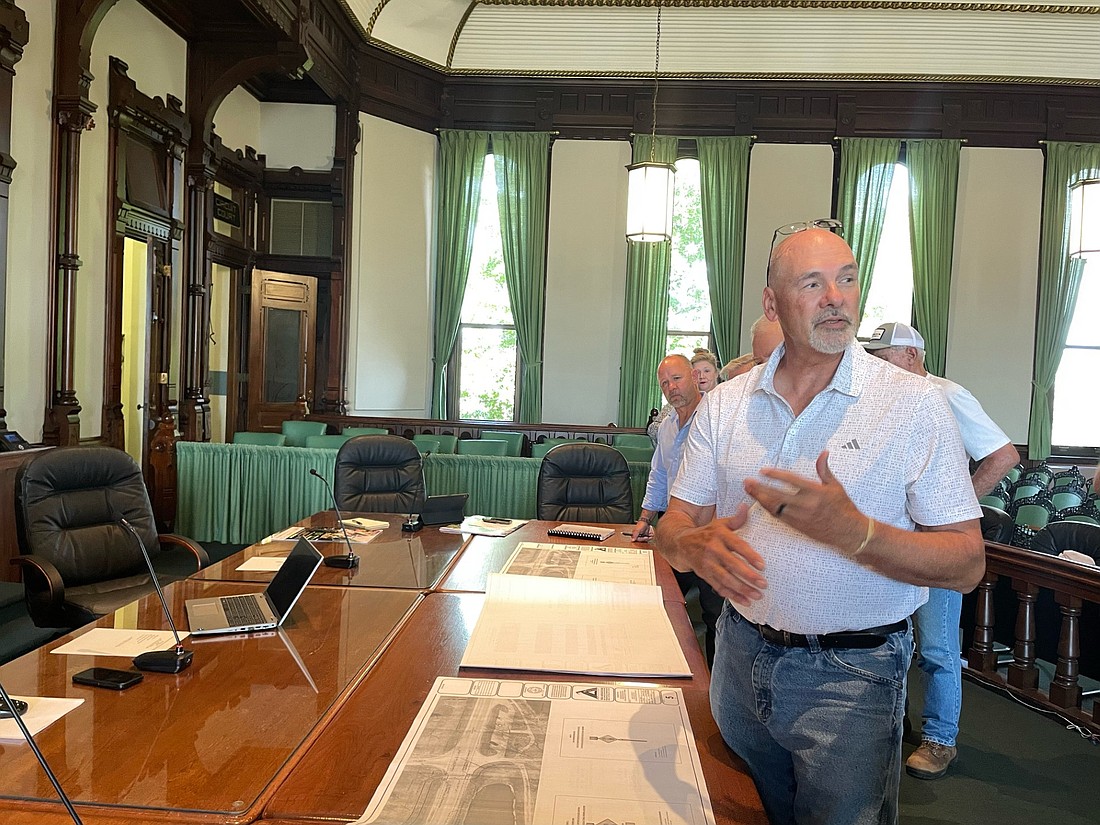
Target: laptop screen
{"points": [[293, 576]]}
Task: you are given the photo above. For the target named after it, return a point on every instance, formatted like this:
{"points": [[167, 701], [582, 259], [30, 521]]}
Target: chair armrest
{"points": [[43, 590], [171, 539]]}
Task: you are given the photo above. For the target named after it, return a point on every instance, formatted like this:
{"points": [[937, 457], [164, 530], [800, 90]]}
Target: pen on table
{"points": [[640, 538]]}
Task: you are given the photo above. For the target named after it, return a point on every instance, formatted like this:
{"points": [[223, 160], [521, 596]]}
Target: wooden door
{"points": [[159, 422], [281, 348]]}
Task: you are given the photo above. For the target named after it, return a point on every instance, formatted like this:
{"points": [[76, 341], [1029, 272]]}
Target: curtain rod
{"points": [[838, 138], [438, 129], [691, 137]]}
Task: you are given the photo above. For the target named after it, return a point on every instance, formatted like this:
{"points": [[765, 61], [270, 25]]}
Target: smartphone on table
{"points": [[106, 677]]}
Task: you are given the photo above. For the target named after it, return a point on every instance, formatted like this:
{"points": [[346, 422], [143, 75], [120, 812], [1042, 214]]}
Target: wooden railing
{"points": [[1075, 589]]}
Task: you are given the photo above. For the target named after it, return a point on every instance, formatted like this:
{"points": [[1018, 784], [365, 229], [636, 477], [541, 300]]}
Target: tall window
{"points": [[487, 358], [689, 293], [890, 297], [1075, 410]]}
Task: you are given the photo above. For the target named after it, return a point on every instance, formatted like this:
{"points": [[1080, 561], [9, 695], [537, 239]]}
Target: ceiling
{"points": [[780, 39]]}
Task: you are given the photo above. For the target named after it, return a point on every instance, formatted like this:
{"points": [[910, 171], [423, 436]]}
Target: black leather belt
{"points": [[867, 639]]}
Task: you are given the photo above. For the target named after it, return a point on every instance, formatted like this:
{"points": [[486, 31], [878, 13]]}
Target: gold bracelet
{"points": [[870, 535]]}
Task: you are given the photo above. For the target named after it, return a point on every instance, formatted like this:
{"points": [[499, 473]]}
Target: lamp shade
{"points": [[1084, 220], [649, 201]]}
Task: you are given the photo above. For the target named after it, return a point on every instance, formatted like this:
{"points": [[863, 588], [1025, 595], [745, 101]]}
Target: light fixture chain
{"points": [[656, 88]]}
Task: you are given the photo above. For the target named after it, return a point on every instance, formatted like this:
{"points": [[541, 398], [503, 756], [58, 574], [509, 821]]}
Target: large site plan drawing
{"points": [[495, 752], [627, 565]]}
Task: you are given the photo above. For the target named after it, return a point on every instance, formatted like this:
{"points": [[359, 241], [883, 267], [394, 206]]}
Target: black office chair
{"points": [[997, 525], [585, 482], [1068, 535], [79, 562], [379, 474]]}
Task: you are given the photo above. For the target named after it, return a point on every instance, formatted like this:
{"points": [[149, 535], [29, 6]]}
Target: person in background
{"points": [[820, 495], [937, 620], [704, 369], [765, 335], [678, 385]]}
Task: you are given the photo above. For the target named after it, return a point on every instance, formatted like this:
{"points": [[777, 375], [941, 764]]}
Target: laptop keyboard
{"points": [[241, 611]]}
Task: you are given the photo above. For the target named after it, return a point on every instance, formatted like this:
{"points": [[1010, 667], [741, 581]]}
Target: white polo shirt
{"points": [[980, 434], [893, 444]]}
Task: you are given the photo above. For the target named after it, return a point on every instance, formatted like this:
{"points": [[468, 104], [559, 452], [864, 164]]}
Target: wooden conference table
{"points": [[299, 725]]}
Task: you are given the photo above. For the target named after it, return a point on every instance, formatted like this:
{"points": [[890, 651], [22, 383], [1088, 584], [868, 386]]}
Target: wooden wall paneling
{"points": [[14, 35], [399, 90]]}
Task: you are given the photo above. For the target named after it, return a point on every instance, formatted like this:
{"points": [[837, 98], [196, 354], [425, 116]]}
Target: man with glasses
{"points": [[820, 495]]}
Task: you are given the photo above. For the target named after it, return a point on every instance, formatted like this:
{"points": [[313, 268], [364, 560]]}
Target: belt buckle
{"points": [[786, 638]]}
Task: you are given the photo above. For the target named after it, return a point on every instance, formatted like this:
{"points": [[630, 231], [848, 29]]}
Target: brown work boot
{"points": [[931, 760]]}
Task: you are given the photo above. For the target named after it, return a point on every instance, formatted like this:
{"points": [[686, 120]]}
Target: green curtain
{"points": [[645, 320], [724, 179], [1059, 280], [523, 168], [933, 185], [461, 165], [866, 170]]}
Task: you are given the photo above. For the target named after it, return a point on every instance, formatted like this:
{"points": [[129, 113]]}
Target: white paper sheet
{"points": [[488, 750], [571, 626], [478, 526], [262, 564], [112, 641], [42, 711], [628, 565]]}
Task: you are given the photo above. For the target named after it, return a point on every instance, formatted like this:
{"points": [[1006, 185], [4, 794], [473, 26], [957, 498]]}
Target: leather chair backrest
{"points": [[585, 482], [379, 474], [68, 503], [1068, 535], [997, 525]]}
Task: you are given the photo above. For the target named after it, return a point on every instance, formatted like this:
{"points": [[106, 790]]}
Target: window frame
{"points": [[454, 374]]}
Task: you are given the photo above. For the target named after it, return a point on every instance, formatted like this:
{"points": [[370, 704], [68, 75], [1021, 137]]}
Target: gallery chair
{"points": [[426, 443], [79, 562], [997, 525], [585, 482], [327, 442], [631, 440], [297, 432], [260, 439], [513, 440], [353, 431], [632, 453], [447, 443], [1068, 535], [482, 446], [379, 474]]}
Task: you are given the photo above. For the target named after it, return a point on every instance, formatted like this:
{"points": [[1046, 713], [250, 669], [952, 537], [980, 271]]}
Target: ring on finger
{"points": [[779, 510]]}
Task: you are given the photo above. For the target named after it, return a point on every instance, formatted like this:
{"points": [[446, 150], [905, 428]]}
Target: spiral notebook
{"points": [[581, 531]]}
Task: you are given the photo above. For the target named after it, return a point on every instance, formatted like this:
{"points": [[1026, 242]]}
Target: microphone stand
{"points": [[160, 661], [38, 755], [350, 560]]}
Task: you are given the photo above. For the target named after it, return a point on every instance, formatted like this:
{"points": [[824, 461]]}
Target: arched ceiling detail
{"points": [[803, 39]]}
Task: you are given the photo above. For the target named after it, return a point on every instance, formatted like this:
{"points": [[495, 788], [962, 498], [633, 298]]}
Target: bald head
{"points": [[766, 336], [677, 383], [814, 291]]}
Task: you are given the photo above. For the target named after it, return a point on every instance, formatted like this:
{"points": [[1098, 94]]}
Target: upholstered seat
{"points": [[482, 446], [297, 432], [997, 525], [1059, 536], [327, 442], [260, 439], [585, 482], [379, 474], [79, 562]]}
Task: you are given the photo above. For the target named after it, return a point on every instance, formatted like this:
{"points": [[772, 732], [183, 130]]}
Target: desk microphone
{"points": [[38, 755], [350, 560], [159, 661]]}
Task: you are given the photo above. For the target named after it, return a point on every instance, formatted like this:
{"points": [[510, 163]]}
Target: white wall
{"points": [[157, 60], [237, 121], [585, 282], [298, 135], [787, 183], [991, 333], [25, 340], [390, 343]]}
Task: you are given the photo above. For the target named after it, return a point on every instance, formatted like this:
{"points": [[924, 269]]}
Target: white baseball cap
{"points": [[895, 335]]}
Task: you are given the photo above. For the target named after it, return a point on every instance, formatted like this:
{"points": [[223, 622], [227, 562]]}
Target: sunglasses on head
{"points": [[831, 224]]}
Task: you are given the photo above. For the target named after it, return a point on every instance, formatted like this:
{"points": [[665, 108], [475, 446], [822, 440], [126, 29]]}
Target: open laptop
{"points": [[257, 611]]}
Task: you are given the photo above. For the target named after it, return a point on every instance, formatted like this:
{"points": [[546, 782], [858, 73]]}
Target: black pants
{"points": [[710, 602]]}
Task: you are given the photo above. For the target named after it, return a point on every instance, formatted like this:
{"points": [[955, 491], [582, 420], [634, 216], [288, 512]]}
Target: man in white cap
{"points": [[937, 620]]}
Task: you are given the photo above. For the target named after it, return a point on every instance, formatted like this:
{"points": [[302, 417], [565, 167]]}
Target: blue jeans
{"points": [[937, 625], [819, 729]]}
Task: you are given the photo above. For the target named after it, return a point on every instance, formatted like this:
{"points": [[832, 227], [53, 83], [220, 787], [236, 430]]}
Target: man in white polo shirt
{"points": [[937, 620], [820, 493]]}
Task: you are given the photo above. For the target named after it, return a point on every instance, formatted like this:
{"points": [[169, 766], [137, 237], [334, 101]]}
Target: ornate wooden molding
{"points": [[14, 34]]}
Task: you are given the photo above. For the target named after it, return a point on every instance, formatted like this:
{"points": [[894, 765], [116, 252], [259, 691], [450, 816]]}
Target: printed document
{"points": [[114, 641], [42, 711], [572, 626], [481, 526], [487, 750], [628, 565]]}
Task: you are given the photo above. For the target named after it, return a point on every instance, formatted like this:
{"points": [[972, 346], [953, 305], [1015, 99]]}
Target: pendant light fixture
{"points": [[1084, 220], [649, 183]]}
